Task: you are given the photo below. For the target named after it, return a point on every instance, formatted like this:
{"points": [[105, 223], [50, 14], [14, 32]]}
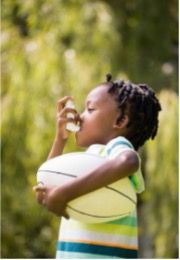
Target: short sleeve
{"points": [[97, 149], [119, 145]]}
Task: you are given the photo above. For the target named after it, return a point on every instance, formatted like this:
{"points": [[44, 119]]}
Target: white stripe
{"points": [[79, 255], [122, 141], [117, 151], [95, 149], [97, 237]]}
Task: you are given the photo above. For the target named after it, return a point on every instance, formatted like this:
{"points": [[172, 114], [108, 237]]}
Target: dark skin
{"points": [[98, 125]]}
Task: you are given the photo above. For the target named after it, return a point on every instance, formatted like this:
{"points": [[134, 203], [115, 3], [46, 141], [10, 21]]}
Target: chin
{"points": [[80, 142]]}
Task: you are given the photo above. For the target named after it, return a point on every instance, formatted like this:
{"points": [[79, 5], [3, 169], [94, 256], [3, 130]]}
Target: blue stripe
{"points": [[119, 143], [97, 249]]}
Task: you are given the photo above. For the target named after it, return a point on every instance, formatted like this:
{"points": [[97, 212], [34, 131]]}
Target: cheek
{"points": [[106, 121], [100, 124]]}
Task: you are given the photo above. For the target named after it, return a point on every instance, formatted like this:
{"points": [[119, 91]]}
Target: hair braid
{"points": [[139, 102]]}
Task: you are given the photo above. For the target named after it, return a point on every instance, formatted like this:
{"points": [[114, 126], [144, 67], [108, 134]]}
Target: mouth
{"points": [[79, 131], [79, 125]]}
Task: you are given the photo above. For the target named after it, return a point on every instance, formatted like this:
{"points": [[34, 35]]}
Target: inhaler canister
{"points": [[71, 126]]}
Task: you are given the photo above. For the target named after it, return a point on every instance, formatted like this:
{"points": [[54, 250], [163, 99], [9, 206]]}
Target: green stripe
{"points": [[96, 249], [128, 221], [105, 228], [117, 144]]}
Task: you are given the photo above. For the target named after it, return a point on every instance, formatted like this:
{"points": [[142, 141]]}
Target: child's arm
{"points": [[60, 137], [56, 198], [111, 171]]}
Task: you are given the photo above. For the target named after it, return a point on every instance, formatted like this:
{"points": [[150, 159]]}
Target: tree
{"points": [[159, 221]]}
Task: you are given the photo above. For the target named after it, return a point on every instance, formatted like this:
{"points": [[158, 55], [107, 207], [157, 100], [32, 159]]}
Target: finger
{"points": [[35, 188], [40, 184], [78, 118], [40, 188], [64, 121], [43, 202], [40, 197], [62, 102], [66, 110]]}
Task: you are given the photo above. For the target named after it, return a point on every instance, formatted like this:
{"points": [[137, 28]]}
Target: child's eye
{"points": [[90, 110]]}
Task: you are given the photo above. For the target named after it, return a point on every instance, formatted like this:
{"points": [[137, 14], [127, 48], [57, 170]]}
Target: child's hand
{"points": [[51, 198], [62, 119]]}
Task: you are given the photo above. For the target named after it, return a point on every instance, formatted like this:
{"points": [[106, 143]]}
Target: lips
{"points": [[80, 125]]}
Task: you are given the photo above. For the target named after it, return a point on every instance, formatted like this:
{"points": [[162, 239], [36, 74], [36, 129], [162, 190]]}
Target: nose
{"points": [[81, 116]]}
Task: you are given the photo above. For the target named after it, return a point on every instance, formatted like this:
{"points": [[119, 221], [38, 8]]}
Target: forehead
{"points": [[99, 95]]}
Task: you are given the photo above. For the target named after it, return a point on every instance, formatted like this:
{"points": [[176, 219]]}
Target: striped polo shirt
{"points": [[114, 239]]}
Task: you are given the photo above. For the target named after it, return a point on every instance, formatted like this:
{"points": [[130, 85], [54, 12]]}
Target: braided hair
{"points": [[139, 102]]}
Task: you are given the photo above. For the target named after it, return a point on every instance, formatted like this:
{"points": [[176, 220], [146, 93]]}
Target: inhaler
{"points": [[71, 126]]}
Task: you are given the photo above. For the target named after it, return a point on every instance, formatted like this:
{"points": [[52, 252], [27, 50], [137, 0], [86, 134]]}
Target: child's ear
{"points": [[122, 123]]}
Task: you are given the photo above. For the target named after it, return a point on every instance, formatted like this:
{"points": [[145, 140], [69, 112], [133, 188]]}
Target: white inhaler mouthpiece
{"points": [[71, 126]]}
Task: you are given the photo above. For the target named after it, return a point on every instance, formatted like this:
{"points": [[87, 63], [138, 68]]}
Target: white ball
{"points": [[106, 204]]}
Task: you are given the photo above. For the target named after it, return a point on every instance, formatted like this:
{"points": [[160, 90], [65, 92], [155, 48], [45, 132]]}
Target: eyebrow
{"points": [[88, 102]]}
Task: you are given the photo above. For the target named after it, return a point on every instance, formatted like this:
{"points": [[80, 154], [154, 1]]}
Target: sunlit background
{"points": [[56, 48]]}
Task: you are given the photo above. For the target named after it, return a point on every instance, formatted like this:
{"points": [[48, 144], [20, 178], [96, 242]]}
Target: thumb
{"points": [[40, 188], [65, 215]]}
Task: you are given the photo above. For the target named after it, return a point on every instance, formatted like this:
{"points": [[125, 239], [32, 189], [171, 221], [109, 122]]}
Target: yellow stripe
{"points": [[105, 228], [101, 243]]}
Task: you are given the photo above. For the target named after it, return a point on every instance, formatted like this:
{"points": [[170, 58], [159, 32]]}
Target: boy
{"points": [[118, 118]]}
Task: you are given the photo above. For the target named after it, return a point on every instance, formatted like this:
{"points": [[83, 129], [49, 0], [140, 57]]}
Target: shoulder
{"points": [[118, 145], [121, 146], [97, 149], [113, 148]]}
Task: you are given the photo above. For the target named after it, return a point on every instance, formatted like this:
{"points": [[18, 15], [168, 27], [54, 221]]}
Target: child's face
{"points": [[98, 119]]}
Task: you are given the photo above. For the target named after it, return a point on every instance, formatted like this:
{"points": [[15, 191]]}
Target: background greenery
{"points": [[54, 48]]}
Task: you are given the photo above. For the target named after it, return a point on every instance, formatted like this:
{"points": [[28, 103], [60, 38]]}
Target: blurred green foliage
{"points": [[56, 48], [159, 213]]}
